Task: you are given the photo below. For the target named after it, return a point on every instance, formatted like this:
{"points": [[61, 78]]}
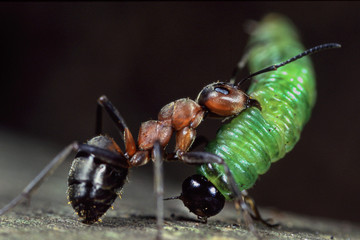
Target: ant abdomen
{"points": [[92, 184]]}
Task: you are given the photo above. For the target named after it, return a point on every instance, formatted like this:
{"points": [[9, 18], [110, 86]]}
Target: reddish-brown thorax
{"points": [[182, 117]]}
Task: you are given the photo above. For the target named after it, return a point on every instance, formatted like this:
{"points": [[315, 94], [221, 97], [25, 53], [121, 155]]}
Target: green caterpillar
{"points": [[254, 139]]}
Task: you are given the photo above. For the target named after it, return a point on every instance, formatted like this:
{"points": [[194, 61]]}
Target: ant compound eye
{"points": [[222, 90], [212, 91], [201, 197]]}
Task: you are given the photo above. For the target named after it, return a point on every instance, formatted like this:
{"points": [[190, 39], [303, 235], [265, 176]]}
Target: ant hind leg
{"points": [[39, 179], [159, 188], [104, 103], [104, 155]]}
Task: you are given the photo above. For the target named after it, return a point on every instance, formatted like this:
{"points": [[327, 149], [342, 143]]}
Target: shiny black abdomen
{"points": [[93, 186]]}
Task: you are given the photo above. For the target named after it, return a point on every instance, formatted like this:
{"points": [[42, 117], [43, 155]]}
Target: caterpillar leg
{"points": [[240, 204], [255, 211]]}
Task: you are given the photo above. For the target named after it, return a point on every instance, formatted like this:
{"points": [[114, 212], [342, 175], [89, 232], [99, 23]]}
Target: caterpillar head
{"points": [[201, 197], [225, 99]]}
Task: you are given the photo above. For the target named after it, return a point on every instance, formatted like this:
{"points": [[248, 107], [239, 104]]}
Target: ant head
{"points": [[201, 197], [224, 99]]}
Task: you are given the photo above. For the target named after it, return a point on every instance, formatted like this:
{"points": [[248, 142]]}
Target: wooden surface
{"points": [[50, 217]]}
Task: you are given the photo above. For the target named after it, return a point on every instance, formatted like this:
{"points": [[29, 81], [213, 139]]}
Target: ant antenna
{"points": [[303, 54]]}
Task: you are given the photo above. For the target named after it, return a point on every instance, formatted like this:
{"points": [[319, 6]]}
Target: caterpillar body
{"points": [[256, 138]]}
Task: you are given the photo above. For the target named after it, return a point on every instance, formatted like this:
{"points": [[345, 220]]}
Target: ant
{"points": [[100, 167]]}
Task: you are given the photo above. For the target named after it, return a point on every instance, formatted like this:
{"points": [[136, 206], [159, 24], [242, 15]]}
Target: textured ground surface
{"points": [[49, 216]]}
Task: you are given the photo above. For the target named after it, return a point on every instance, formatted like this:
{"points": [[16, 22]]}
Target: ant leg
{"points": [[36, 182], [107, 156], [256, 216], [104, 103], [104, 155], [159, 188], [240, 204], [199, 140]]}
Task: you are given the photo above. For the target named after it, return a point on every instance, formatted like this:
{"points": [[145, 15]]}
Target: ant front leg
{"points": [[198, 158], [104, 103]]}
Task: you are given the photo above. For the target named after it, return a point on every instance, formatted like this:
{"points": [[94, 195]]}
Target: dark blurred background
{"points": [[58, 58]]}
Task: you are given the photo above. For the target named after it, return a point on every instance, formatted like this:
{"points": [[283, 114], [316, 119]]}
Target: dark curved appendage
{"points": [[104, 103], [106, 156], [126, 135], [307, 52]]}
